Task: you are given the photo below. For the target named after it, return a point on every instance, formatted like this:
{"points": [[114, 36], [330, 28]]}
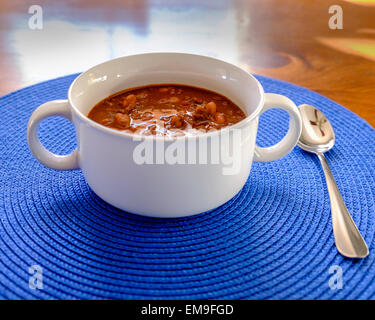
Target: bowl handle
{"points": [[283, 147], [45, 157]]}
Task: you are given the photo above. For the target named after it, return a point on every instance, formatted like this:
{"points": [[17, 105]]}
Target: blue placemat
{"points": [[272, 241]]}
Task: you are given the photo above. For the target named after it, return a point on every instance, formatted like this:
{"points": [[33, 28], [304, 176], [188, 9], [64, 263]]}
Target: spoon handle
{"points": [[349, 241]]}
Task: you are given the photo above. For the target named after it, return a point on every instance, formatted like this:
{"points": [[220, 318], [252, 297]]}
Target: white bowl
{"points": [[111, 160]]}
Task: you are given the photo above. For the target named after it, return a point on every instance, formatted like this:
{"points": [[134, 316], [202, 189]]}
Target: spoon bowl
{"points": [[317, 133]]}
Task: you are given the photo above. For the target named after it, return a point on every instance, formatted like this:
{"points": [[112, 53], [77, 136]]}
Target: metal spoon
{"points": [[318, 137]]}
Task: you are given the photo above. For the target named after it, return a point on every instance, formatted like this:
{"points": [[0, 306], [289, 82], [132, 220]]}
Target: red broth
{"points": [[166, 110]]}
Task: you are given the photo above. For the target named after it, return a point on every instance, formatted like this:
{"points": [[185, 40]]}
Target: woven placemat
{"points": [[272, 241]]}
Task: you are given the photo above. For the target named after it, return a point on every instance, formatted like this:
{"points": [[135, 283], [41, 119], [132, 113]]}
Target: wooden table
{"points": [[288, 40]]}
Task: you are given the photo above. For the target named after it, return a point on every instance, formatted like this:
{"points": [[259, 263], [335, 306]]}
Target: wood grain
{"points": [[288, 40]]}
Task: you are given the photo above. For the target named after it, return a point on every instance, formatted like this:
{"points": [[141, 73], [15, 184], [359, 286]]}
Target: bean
{"points": [[220, 118], [163, 90], [135, 114], [174, 99], [122, 119], [106, 121], [211, 107], [177, 121], [200, 113], [128, 107], [163, 101], [132, 99], [142, 95], [197, 100], [147, 116], [200, 109]]}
